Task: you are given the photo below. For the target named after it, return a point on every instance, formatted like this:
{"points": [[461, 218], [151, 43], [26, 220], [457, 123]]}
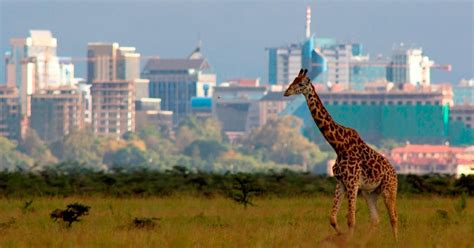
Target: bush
{"points": [[71, 181], [71, 214]]}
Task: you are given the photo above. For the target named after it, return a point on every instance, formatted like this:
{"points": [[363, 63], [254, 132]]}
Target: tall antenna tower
{"points": [[308, 22]]}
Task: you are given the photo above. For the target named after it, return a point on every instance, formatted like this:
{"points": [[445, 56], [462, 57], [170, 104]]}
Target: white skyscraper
{"points": [[32, 65], [410, 66]]}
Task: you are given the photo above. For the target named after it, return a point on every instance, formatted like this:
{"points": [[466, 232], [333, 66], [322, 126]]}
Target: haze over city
{"points": [[235, 34], [236, 123]]}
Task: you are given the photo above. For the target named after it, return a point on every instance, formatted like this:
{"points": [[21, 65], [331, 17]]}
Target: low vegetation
{"points": [[190, 221], [144, 222], [72, 181]]}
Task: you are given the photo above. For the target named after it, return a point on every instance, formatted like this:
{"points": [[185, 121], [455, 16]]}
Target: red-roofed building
{"points": [[249, 82], [425, 159]]}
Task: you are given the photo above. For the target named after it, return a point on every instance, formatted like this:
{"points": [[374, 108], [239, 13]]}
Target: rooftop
{"points": [[427, 149], [276, 96], [244, 81], [239, 88], [42, 38], [157, 64]]}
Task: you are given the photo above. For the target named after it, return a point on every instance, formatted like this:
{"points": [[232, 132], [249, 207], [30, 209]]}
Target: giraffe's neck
{"points": [[326, 124]]}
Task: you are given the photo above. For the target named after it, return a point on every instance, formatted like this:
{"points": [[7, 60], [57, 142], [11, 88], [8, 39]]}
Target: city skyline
{"points": [[260, 25]]}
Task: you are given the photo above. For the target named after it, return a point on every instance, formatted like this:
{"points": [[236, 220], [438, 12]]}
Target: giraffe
{"points": [[357, 165]]}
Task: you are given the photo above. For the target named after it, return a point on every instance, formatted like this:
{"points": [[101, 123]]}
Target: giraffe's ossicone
{"points": [[357, 166]]}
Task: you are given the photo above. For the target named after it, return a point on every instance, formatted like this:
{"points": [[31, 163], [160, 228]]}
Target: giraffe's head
{"points": [[301, 84]]}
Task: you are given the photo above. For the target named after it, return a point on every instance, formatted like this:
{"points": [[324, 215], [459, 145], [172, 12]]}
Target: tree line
{"points": [[196, 144], [70, 179]]}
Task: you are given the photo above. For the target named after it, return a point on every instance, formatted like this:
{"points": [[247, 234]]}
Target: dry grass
{"points": [[198, 222]]}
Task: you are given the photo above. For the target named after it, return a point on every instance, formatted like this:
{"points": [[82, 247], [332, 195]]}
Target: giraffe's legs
{"points": [[352, 199], [371, 199], [336, 205], [389, 193]]}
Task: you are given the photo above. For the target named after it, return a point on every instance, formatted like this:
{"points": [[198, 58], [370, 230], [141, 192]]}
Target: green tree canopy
{"points": [[129, 156], [81, 146], [207, 150], [192, 129], [157, 142], [280, 140], [10, 159], [33, 146]]}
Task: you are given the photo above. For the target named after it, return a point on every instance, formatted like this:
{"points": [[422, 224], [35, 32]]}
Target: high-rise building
{"points": [[364, 70], [33, 64], [113, 107], [102, 61], [40, 49], [56, 112], [13, 61], [128, 63], [141, 88], [85, 90], [410, 65], [376, 113], [463, 114], [345, 65], [237, 107], [464, 92], [109, 62], [9, 112], [201, 107], [149, 114], [271, 105], [338, 59], [327, 61], [284, 63], [177, 81]]}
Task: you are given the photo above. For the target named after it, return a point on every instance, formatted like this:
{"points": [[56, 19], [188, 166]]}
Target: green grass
{"points": [[218, 222]]}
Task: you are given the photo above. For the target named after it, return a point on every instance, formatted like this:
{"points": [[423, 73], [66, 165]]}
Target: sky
{"points": [[235, 34]]}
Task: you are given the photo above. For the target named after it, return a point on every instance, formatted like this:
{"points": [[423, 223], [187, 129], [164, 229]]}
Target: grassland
{"points": [[189, 221]]}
